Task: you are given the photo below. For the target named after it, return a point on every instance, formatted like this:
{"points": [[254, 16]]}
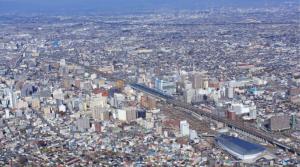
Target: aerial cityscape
{"points": [[193, 87]]}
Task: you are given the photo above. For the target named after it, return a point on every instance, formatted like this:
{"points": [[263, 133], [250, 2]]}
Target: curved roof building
{"points": [[239, 148]]}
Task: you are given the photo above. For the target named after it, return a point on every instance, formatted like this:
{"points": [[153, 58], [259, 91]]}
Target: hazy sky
{"points": [[119, 6]]}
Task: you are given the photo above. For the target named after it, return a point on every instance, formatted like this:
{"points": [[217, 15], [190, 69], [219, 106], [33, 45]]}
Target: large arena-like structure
{"points": [[239, 148]]}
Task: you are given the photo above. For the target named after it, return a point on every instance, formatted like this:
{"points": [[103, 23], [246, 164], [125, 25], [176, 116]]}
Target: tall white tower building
{"points": [[184, 128]]}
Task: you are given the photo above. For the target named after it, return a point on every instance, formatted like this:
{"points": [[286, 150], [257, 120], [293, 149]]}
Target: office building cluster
{"points": [[67, 96]]}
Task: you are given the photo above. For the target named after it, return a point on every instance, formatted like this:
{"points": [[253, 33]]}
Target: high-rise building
{"points": [[83, 124], [196, 81], [148, 102], [118, 100], [253, 111], [119, 84], [165, 86], [100, 114], [229, 92], [62, 62], [126, 115], [98, 101], [184, 128], [193, 135], [131, 115], [229, 88], [35, 103], [121, 114], [12, 99], [240, 108], [199, 81], [279, 122], [7, 113], [62, 108], [188, 95]]}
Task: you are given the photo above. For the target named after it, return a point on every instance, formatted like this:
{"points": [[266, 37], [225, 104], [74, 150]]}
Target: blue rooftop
{"points": [[240, 146]]}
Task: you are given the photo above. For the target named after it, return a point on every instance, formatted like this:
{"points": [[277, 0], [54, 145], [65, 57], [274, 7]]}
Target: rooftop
{"points": [[240, 146]]}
